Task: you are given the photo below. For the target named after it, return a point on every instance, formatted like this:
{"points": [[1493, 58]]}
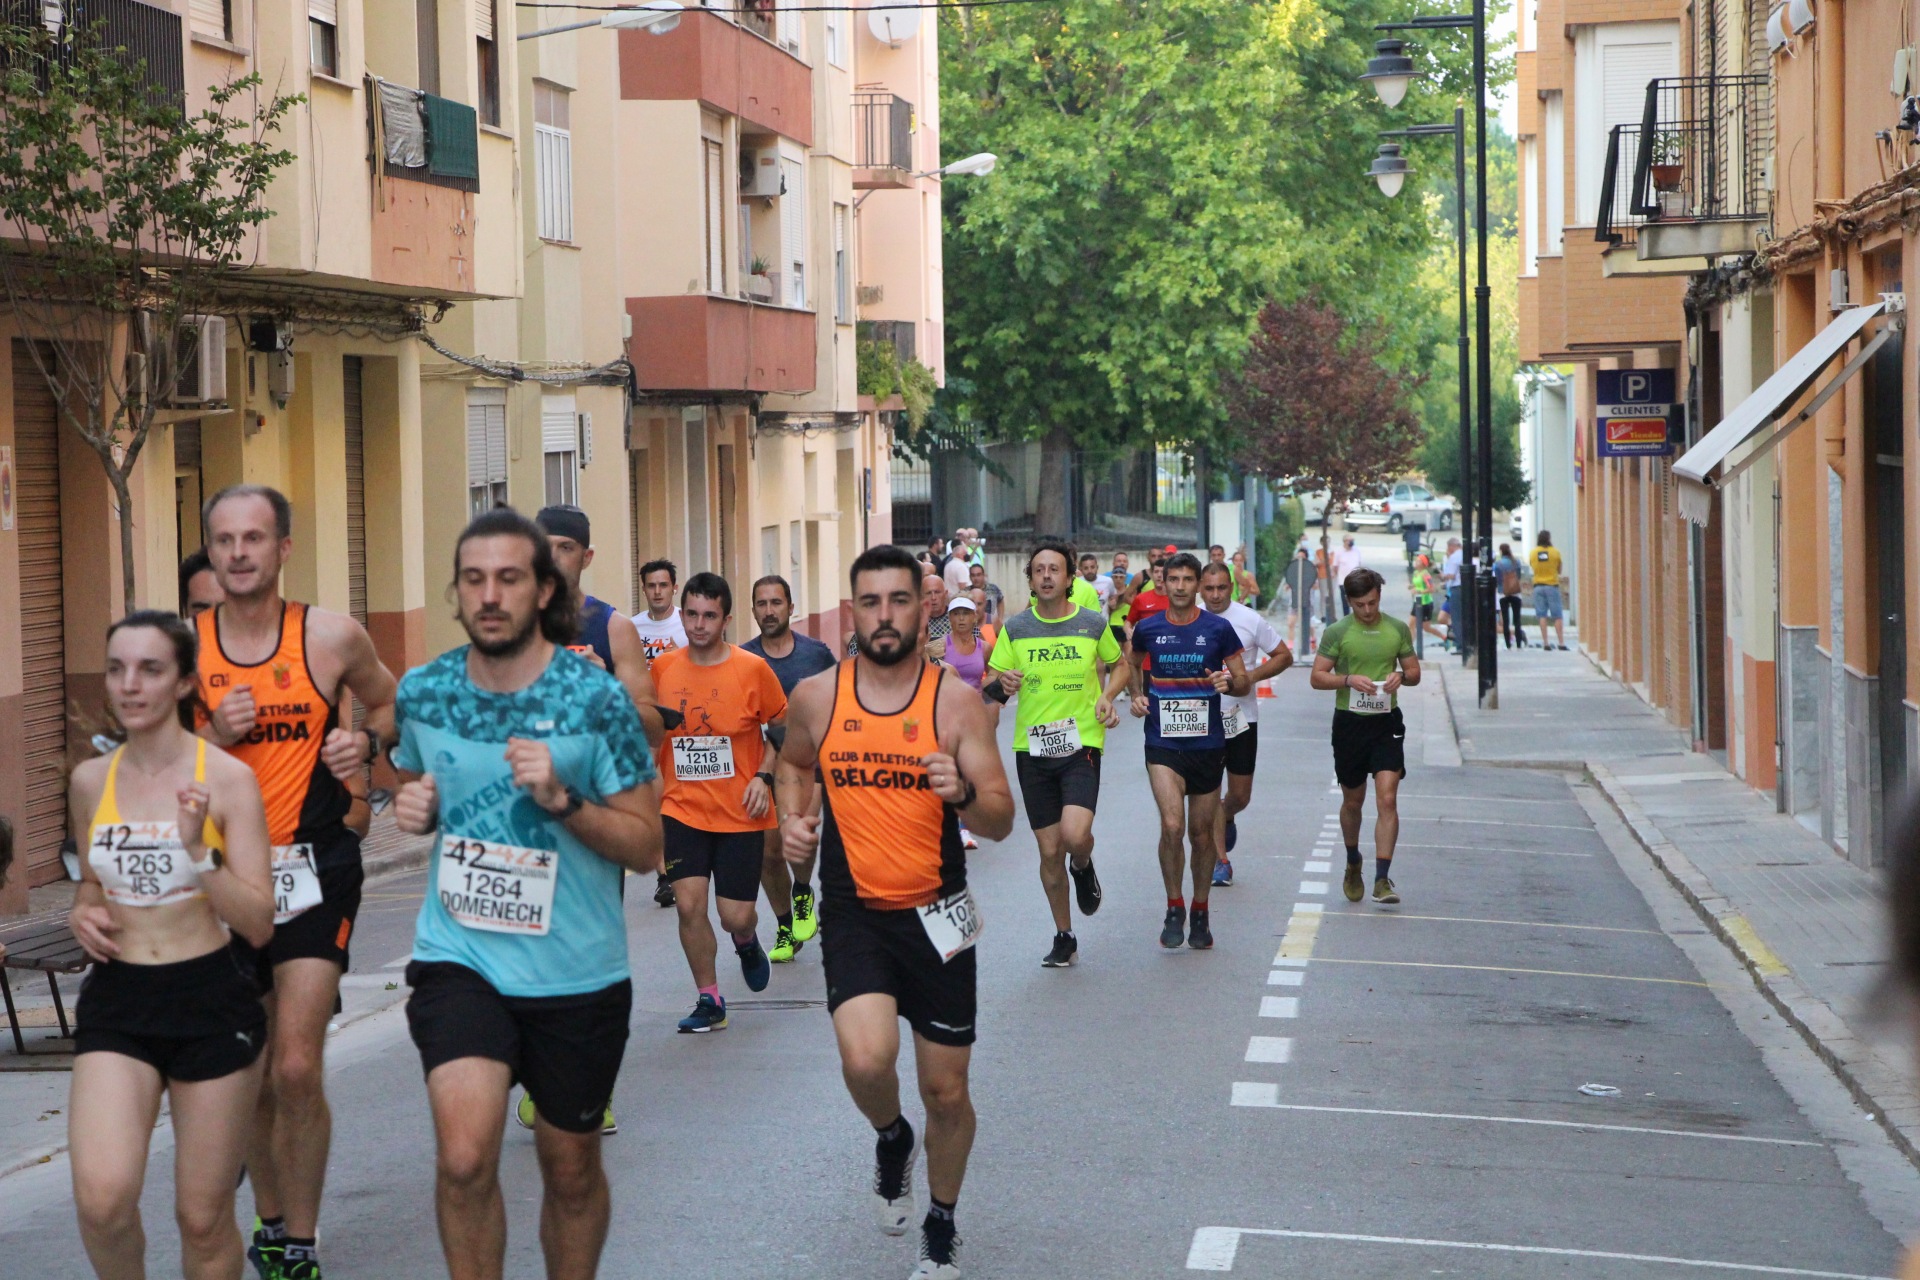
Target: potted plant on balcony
{"points": [[759, 282], [1669, 160]]}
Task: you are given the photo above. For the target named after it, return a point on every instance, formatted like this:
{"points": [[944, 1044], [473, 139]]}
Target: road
{"points": [[1396, 1092]]}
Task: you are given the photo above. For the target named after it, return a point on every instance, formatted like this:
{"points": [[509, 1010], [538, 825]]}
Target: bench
{"points": [[44, 944]]}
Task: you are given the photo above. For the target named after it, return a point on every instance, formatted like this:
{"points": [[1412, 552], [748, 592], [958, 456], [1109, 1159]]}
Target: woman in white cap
{"points": [[963, 650]]}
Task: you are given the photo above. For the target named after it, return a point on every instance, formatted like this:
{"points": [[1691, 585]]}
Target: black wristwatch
{"points": [[575, 803], [971, 795], [373, 746], [765, 777]]}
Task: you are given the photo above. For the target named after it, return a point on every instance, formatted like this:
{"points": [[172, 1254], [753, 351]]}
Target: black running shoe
{"points": [[893, 1181], [1086, 886], [1065, 947], [1233, 835], [1199, 934], [1173, 931], [663, 892], [939, 1251]]}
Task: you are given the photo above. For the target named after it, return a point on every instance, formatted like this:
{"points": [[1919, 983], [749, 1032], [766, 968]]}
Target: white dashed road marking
{"points": [[1269, 1049]]}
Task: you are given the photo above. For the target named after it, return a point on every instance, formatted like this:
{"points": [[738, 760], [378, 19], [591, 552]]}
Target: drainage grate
{"points": [[774, 1006]]}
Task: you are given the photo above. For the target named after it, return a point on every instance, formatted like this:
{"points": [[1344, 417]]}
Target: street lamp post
{"points": [[1389, 73]]}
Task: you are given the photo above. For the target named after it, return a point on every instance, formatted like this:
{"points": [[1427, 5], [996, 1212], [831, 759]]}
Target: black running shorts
{"points": [[1201, 771], [1243, 749], [731, 859], [566, 1050], [322, 932], [1048, 784], [1366, 745], [868, 952], [196, 1019]]}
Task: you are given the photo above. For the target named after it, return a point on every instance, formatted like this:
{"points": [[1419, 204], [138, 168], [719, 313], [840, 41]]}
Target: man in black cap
{"points": [[606, 635]]}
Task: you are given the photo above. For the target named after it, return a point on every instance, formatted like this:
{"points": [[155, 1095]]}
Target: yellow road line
{"points": [[1529, 924], [1495, 968], [1763, 957]]}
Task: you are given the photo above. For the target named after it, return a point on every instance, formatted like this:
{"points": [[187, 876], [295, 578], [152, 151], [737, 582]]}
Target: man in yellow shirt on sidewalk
{"points": [[1546, 590]]}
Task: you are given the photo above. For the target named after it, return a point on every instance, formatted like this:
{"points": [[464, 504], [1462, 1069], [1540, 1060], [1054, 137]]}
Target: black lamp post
{"points": [[1389, 71]]}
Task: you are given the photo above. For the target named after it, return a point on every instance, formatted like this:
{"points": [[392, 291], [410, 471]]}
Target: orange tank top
{"points": [[305, 802], [886, 840]]}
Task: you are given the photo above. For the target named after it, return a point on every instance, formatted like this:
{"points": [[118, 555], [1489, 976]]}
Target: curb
{"points": [[410, 856], [32, 1158], [1870, 1080]]}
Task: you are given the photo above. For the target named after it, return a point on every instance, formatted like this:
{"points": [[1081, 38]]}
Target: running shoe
{"points": [[806, 920], [1199, 933], [1173, 931], [708, 1015], [893, 1183], [1383, 890], [754, 965], [608, 1125], [784, 947], [1233, 834], [1222, 873], [265, 1254], [939, 1253], [1086, 886], [1355, 885], [663, 892], [301, 1269], [524, 1112], [1065, 947], [966, 839]]}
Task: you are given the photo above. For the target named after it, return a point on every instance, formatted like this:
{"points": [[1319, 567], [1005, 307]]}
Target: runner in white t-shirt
{"points": [[1240, 715], [660, 632]]}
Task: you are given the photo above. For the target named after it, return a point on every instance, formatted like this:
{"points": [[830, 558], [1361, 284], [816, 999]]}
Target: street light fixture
{"points": [[978, 165], [1389, 71], [1390, 169], [656, 16]]}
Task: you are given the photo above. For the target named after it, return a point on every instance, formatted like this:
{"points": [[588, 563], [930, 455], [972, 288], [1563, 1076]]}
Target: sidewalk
{"points": [[1809, 926]]}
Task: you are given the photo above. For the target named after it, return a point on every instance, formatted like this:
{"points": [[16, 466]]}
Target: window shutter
{"points": [[482, 18], [327, 11], [209, 18], [842, 299], [716, 177], [558, 430], [586, 439], [486, 436], [476, 445], [793, 230], [553, 181], [1625, 70]]}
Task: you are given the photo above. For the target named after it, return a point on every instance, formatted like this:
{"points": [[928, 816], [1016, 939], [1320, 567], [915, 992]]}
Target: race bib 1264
{"points": [[500, 888]]}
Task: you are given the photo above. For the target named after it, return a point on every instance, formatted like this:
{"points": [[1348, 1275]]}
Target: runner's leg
{"points": [[111, 1109], [1203, 816], [1235, 798], [696, 931], [1353, 802], [1053, 873], [776, 877], [469, 1100], [1170, 794], [577, 1204], [738, 917], [1386, 819], [868, 1030], [304, 994], [210, 1119], [260, 1171], [950, 1117]]}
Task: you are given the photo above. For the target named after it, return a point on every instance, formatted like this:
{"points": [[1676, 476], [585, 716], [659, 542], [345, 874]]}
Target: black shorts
{"points": [[1423, 612], [1119, 630], [731, 859], [322, 932], [566, 1050], [196, 1019], [1243, 749], [1200, 770], [1048, 784], [868, 952], [1366, 745]]}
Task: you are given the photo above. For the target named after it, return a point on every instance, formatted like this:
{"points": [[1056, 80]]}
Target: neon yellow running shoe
{"points": [[806, 916], [524, 1112], [784, 947]]}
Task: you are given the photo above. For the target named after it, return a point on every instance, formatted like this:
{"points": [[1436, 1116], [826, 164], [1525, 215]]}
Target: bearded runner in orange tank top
{"points": [[902, 753], [271, 673]]}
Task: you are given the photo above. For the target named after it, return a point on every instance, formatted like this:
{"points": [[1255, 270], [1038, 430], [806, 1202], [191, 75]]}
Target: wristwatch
{"points": [[212, 862], [575, 803], [765, 777], [373, 746]]}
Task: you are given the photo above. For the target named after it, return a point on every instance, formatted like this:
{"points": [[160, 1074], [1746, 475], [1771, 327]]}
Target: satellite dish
{"points": [[892, 27]]}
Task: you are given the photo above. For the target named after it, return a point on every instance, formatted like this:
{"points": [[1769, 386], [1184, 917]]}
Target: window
{"points": [[1529, 206], [842, 269], [558, 444], [426, 25], [553, 160], [1612, 64], [693, 422], [211, 18], [714, 183], [1553, 222], [323, 36], [793, 230], [837, 37], [486, 449], [487, 62], [786, 29]]}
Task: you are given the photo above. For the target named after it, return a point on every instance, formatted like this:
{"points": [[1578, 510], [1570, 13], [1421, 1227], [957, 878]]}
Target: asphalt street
{"points": [[1337, 1090]]}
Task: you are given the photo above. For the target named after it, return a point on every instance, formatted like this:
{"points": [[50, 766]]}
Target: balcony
{"points": [[141, 33], [1685, 184], [699, 343], [732, 69], [882, 141], [426, 162]]}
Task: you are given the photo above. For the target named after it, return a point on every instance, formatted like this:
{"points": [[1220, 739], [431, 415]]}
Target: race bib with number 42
{"points": [[1054, 739], [296, 886], [499, 888], [1233, 720], [953, 923], [1185, 717], [702, 758], [1377, 703], [142, 864]]}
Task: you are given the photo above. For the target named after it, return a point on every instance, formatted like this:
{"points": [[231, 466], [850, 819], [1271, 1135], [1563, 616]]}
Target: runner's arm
{"points": [[1409, 670], [1119, 677], [808, 707], [90, 918], [362, 672], [241, 892], [1238, 682], [1276, 662], [1324, 677], [976, 755], [630, 669], [624, 828]]}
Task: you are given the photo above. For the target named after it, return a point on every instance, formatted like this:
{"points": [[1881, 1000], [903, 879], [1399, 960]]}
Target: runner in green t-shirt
{"points": [[1365, 659], [1047, 655]]}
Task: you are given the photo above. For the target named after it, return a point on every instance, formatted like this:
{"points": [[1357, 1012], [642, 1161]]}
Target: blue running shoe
{"points": [[1222, 873], [755, 967], [708, 1015]]}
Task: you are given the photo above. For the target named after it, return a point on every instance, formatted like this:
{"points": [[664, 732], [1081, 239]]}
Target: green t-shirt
{"points": [[1372, 652], [1056, 662]]}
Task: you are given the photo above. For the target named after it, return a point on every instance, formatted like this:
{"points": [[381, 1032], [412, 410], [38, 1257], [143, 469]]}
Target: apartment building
{"points": [[1754, 583]]}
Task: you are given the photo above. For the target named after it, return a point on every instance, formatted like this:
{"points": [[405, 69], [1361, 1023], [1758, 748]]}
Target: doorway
{"points": [[1883, 404]]}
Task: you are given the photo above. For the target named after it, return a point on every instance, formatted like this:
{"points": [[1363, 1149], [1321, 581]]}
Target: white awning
{"points": [[1700, 470]]}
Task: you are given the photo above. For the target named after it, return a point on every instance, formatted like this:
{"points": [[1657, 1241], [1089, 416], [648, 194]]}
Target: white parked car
{"points": [[1402, 504], [1313, 504]]}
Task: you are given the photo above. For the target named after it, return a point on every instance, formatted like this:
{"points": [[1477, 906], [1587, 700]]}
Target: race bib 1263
{"points": [[500, 888], [142, 864]]}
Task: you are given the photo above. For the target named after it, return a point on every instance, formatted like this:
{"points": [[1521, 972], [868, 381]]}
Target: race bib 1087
{"points": [[500, 888], [1054, 739]]}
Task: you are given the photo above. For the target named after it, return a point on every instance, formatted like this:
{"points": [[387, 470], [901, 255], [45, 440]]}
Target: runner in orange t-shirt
{"points": [[719, 789]]}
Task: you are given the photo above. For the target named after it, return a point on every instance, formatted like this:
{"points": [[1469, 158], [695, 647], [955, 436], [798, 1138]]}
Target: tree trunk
{"points": [[1054, 516], [125, 498]]}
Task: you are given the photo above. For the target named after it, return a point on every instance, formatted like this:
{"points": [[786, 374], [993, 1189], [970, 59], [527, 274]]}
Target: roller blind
{"points": [[327, 11], [209, 18], [558, 430], [482, 18], [486, 436], [793, 230]]}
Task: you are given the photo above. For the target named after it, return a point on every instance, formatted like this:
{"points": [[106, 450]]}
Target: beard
{"points": [[892, 657], [771, 627], [514, 644]]}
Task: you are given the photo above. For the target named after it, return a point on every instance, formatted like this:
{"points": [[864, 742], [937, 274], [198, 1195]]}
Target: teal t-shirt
{"points": [[458, 732], [1373, 652]]}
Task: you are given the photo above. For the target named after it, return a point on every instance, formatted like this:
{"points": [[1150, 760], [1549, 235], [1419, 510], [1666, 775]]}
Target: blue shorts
{"points": [[1546, 603]]}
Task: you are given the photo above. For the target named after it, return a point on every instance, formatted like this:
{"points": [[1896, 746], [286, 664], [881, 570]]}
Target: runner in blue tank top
{"points": [[606, 636], [1189, 657]]}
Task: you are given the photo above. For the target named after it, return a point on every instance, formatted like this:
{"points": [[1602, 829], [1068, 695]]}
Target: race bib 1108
{"points": [[1185, 717]]}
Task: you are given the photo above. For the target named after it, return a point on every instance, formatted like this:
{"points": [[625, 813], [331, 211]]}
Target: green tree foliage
{"points": [[122, 214], [1440, 457]]}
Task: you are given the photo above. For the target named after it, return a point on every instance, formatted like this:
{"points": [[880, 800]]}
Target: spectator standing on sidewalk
{"points": [[933, 605], [1299, 587], [1346, 558], [1450, 584], [1246, 585], [1546, 590], [1509, 576]]}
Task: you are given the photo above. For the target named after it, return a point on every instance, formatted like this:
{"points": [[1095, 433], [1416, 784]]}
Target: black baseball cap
{"points": [[562, 521]]}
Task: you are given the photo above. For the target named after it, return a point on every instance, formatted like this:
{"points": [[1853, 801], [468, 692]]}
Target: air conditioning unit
{"points": [[760, 172], [200, 352]]}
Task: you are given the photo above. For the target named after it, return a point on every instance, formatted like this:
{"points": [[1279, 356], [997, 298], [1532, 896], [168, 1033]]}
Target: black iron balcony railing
{"points": [[882, 131], [1616, 223], [1696, 159], [140, 34]]}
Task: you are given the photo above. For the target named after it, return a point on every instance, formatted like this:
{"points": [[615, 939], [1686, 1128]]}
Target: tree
{"points": [[1312, 406], [125, 215], [1440, 455]]}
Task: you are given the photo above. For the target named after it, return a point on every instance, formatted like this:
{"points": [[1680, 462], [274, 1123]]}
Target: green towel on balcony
{"points": [[453, 137]]}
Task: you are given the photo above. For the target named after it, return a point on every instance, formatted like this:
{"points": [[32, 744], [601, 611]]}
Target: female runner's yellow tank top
{"points": [[144, 864]]}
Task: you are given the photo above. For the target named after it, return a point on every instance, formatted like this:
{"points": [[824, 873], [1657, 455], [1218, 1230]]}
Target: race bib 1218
{"points": [[702, 758]]}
